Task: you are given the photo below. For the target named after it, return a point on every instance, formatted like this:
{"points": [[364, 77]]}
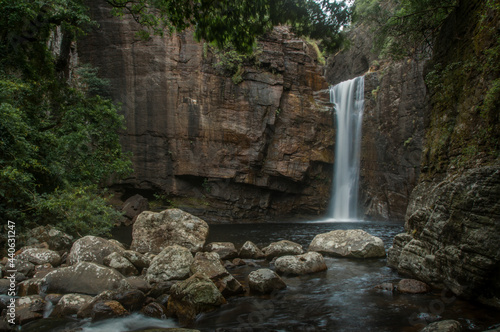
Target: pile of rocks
{"points": [[167, 272]]}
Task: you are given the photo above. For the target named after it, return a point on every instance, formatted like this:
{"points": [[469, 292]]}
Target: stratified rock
{"points": [[108, 309], [133, 206], [39, 256], [56, 239], [29, 308], [444, 326], [69, 304], [209, 264], [152, 232], [250, 250], [265, 281], [173, 262], [399, 242], [226, 250], [282, 248], [91, 249], [354, 243], [412, 286], [310, 262], [193, 296], [121, 264], [85, 278]]}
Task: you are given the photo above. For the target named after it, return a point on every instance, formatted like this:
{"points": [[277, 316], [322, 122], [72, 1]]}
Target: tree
{"points": [[58, 141], [238, 23]]}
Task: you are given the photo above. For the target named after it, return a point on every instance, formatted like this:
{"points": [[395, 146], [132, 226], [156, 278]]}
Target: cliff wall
{"points": [[255, 148]]}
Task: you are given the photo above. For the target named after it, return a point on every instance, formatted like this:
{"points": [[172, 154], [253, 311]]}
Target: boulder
{"points": [[39, 256], [155, 310], [91, 249], [209, 264], [24, 267], [412, 286], [354, 243], [310, 262], [133, 206], [55, 239], [69, 304], [152, 232], [132, 300], [29, 308], [31, 286], [42, 270], [85, 278], [282, 248], [250, 250], [226, 250], [139, 260], [86, 310], [193, 296], [138, 282], [172, 263], [121, 264], [443, 326], [265, 281], [108, 309]]}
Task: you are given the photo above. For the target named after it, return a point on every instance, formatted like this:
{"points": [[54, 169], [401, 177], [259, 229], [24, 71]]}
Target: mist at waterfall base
{"points": [[348, 100]]}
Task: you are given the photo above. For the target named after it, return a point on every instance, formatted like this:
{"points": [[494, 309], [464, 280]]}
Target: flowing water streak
{"points": [[348, 100]]}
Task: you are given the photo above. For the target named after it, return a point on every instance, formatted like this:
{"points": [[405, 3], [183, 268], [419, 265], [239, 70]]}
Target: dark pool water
{"points": [[343, 298]]}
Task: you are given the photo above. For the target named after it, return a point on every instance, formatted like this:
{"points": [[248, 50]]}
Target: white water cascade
{"points": [[348, 100]]}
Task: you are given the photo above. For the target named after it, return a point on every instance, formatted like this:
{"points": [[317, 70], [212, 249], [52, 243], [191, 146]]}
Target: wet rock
{"points": [[85, 278], [238, 262], [386, 286], [133, 206], [193, 296], [86, 310], [226, 250], [152, 232], [139, 260], [444, 326], [55, 239], [5, 285], [108, 309], [307, 263], [399, 242], [29, 308], [265, 281], [209, 264], [412, 286], [39, 256], [69, 304], [132, 300], [91, 249], [121, 264], [139, 283], [250, 250], [155, 310], [173, 262], [354, 243], [31, 286], [282, 248]]}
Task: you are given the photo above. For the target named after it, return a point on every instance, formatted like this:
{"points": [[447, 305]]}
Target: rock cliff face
{"points": [[259, 149], [453, 219], [393, 125]]}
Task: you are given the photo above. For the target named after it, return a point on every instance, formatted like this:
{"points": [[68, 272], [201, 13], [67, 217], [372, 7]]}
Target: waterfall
{"points": [[348, 100]]}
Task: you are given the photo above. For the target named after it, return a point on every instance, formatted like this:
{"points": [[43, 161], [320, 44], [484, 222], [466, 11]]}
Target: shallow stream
{"points": [[342, 298]]}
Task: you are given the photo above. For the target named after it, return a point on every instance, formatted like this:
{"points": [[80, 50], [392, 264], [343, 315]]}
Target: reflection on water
{"points": [[342, 298]]}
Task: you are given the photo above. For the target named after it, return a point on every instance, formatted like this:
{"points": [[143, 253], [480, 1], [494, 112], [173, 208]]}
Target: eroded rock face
{"points": [[265, 145], [354, 243], [152, 232]]}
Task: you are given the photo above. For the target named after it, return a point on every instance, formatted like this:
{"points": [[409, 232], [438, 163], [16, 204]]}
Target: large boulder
{"points": [[40, 256], [250, 250], [121, 264], [282, 248], [133, 206], [265, 281], [84, 277], [209, 264], [172, 263], [353, 243], [91, 249], [28, 308], [193, 296], [69, 304], [153, 232], [310, 262]]}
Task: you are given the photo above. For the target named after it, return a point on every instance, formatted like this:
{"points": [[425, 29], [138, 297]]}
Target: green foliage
{"points": [[319, 55], [57, 142], [238, 23]]}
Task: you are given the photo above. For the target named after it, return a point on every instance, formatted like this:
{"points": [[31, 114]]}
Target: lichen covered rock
{"points": [[354, 243]]}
